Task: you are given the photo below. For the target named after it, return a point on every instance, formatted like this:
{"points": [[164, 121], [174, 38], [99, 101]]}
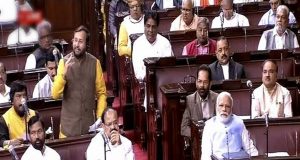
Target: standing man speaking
{"points": [[79, 81]]}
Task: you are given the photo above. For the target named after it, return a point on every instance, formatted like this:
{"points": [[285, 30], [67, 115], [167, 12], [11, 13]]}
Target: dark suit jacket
{"points": [[193, 110], [236, 70]]}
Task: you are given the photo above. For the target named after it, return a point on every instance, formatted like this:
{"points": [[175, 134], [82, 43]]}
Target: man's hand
{"points": [[68, 64], [16, 142], [115, 137]]}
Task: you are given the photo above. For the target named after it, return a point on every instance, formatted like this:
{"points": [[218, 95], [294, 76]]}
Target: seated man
{"points": [[201, 104], [280, 37], [116, 146], [225, 67], [4, 89], [44, 86], [23, 34], [12, 122], [225, 132], [187, 19], [150, 44], [133, 23], [117, 8], [228, 17], [202, 45], [271, 98], [269, 17], [38, 58], [38, 149]]}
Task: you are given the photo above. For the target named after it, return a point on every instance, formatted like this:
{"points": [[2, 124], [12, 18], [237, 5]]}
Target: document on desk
{"points": [[278, 154]]}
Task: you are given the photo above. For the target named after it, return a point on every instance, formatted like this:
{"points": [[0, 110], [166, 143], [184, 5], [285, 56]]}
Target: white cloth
{"points": [[31, 36], [43, 88], [30, 62], [279, 40], [179, 24], [237, 20], [269, 18], [8, 11], [5, 97], [277, 104], [197, 3], [33, 154], [225, 69], [218, 137], [95, 150], [143, 49]]}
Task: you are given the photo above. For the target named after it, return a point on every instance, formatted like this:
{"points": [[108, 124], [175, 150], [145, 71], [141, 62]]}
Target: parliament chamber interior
{"points": [[150, 110]]}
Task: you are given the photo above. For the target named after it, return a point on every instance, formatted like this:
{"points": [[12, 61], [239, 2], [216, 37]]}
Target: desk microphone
{"points": [[13, 153], [227, 143], [249, 84], [24, 105]]}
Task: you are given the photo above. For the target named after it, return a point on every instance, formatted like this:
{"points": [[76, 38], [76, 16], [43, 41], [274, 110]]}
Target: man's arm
{"points": [[123, 47], [100, 90], [206, 145], [59, 81], [4, 134], [30, 62], [262, 45], [248, 143], [111, 18], [287, 100], [255, 106], [185, 123]]}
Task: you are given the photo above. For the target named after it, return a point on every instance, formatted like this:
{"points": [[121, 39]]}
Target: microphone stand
{"points": [[1, 34], [26, 127], [267, 135], [104, 143], [250, 92]]}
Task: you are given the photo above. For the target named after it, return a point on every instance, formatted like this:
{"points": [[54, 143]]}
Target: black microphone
{"points": [[52, 127], [24, 104], [12, 152], [267, 119], [227, 143], [249, 84]]}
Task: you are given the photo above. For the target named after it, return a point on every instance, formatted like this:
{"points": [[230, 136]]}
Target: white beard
{"points": [[223, 119]]}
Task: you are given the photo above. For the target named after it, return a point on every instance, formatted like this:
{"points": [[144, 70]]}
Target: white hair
{"points": [[43, 25], [283, 8], [221, 95], [184, 1]]}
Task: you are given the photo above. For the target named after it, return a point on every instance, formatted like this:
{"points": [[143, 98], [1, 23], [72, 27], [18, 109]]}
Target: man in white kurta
{"points": [[187, 20], [116, 147], [228, 17], [38, 150], [280, 37], [269, 18], [271, 98], [226, 132], [22, 35]]}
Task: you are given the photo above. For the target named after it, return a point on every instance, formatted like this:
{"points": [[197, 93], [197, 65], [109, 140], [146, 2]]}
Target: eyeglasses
{"points": [[186, 10], [135, 6]]}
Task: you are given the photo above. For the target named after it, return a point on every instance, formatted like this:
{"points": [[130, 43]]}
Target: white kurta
{"points": [[31, 36], [237, 20], [43, 88], [5, 97], [95, 150], [34, 154]]}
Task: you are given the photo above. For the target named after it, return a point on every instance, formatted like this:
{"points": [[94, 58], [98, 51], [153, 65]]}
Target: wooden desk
{"points": [[72, 148], [161, 71], [174, 104]]}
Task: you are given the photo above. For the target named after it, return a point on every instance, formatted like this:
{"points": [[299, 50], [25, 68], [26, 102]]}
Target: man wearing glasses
{"points": [[110, 144], [279, 37], [228, 17], [269, 17], [38, 58], [187, 20]]}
